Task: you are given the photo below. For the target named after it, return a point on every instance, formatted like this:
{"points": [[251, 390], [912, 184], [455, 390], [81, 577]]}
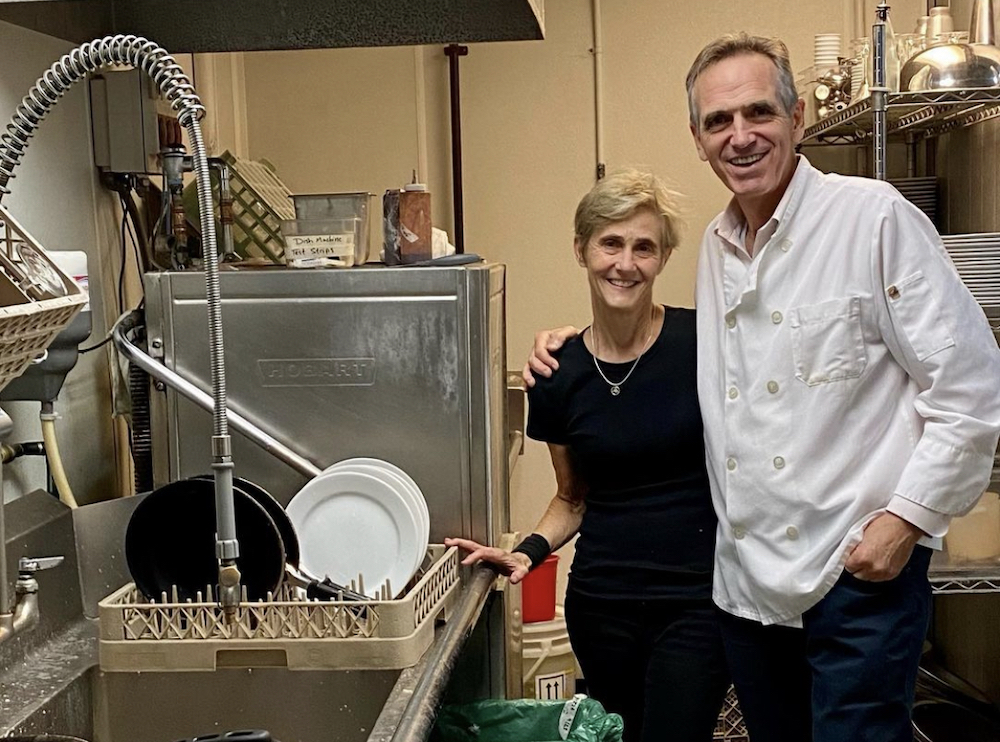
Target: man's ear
{"points": [[799, 120], [697, 143]]}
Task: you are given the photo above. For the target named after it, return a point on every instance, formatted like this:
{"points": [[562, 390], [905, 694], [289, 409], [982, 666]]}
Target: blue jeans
{"points": [[658, 663], [848, 675]]}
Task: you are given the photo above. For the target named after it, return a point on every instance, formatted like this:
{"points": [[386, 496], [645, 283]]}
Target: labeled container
{"points": [[548, 664], [538, 592], [329, 230], [332, 205], [406, 225], [322, 243]]}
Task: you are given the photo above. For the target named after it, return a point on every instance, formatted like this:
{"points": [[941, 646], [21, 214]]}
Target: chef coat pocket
{"points": [[827, 341], [916, 310]]}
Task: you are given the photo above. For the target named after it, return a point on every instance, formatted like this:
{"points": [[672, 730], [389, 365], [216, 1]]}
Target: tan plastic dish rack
{"points": [[284, 632], [28, 324]]}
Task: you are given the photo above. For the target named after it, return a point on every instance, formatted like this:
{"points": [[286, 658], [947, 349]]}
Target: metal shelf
{"points": [[964, 578], [924, 115]]}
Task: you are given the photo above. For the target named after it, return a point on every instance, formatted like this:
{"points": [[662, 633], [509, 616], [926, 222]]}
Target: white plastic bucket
{"points": [[547, 661]]}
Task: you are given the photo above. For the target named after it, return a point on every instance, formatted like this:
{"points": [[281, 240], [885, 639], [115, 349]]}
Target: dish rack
{"points": [[261, 201], [37, 299], [286, 631]]}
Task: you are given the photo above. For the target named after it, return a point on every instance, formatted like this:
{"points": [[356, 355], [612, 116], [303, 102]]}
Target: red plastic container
{"points": [[538, 592]]}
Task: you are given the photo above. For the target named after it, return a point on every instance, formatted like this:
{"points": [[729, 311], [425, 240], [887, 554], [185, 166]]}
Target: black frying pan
{"points": [[170, 541], [315, 588]]}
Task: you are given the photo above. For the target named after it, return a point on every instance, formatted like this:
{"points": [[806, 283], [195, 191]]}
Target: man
{"points": [[849, 387]]}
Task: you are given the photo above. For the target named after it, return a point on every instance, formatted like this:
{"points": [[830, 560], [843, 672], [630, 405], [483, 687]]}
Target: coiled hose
{"points": [[170, 79]]}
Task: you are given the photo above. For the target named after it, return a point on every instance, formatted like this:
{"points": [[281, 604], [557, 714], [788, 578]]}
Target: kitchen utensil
{"points": [[949, 66], [352, 524], [316, 588], [956, 65], [939, 23], [170, 543]]}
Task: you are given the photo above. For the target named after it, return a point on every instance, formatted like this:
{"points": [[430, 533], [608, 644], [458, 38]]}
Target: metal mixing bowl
{"points": [[948, 66]]}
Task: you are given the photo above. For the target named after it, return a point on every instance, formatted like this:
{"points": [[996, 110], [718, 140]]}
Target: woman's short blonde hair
{"points": [[622, 194]]}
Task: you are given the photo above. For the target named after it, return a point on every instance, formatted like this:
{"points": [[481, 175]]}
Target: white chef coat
{"points": [[844, 370]]}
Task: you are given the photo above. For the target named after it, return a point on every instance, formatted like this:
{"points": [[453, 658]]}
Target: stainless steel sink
{"points": [[50, 681]]}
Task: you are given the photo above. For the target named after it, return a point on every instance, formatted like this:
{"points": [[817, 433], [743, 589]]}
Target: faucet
{"points": [[25, 614]]}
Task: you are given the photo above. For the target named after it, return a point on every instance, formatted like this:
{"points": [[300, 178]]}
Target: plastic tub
{"points": [[318, 243], [538, 592], [332, 205]]}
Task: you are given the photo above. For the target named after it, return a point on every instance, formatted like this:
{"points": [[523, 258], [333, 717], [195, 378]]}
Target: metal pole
{"points": [[177, 382], [453, 52], [880, 93], [6, 426]]}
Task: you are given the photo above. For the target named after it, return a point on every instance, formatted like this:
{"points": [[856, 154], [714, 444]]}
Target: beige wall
{"points": [[350, 119], [347, 120]]}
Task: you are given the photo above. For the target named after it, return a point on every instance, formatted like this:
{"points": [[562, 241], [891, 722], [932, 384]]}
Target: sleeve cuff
{"points": [[929, 521]]}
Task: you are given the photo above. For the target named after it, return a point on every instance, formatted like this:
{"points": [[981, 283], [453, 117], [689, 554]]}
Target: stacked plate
{"points": [[921, 192], [977, 259], [826, 51], [363, 521]]}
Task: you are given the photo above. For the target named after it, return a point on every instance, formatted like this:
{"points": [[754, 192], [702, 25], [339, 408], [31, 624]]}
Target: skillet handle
{"points": [[327, 590]]}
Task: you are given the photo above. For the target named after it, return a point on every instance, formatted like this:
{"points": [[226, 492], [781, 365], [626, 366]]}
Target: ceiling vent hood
{"points": [[182, 26]]}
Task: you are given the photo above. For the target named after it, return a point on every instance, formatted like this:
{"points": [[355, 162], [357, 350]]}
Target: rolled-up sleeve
{"points": [[938, 333]]}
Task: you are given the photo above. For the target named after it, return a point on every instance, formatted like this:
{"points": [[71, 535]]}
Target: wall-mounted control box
{"points": [[124, 106]]}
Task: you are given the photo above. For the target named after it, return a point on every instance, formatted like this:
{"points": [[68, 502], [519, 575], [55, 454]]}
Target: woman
{"points": [[623, 428]]}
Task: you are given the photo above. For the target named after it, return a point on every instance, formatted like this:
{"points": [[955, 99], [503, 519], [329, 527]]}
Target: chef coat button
{"points": [[730, 322], [792, 532], [772, 386], [779, 463], [893, 292], [739, 532], [733, 392], [776, 317], [731, 463], [784, 245]]}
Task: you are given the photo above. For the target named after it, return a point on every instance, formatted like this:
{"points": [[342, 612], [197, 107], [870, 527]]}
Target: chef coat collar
{"points": [[732, 226]]}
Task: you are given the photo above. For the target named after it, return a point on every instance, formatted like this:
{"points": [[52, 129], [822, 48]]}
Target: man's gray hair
{"points": [[735, 44]]}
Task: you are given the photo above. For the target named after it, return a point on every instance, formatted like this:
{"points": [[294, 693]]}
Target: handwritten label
{"points": [[305, 246]]}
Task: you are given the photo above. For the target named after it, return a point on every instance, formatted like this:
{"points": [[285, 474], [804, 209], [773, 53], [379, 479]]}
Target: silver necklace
{"points": [[616, 387]]}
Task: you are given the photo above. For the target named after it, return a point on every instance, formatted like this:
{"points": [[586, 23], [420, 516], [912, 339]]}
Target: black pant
{"points": [[658, 663], [847, 675]]}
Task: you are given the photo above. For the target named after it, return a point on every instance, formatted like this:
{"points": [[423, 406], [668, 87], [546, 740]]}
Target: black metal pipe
{"points": [[453, 52]]}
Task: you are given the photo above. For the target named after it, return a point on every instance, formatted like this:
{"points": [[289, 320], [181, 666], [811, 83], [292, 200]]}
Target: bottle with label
{"points": [[415, 223]]}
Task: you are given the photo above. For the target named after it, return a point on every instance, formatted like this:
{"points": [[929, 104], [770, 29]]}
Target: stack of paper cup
{"points": [[826, 51]]}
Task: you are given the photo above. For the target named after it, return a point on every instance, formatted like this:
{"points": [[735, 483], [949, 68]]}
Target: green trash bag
{"points": [[581, 719]]}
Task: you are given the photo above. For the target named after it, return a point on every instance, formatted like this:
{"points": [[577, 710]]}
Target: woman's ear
{"points": [[578, 248], [666, 257]]}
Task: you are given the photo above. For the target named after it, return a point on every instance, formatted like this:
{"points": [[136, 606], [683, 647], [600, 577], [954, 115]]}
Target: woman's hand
{"points": [[541, 361], [514, 565]]}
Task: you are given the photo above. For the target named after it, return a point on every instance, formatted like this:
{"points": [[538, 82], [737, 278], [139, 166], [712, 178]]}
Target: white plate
{"points": [[390, 467], [351, 523], [410, 495]]}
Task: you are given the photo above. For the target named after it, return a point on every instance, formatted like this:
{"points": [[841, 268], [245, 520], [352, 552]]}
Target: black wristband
{"points": [[536, 547]]}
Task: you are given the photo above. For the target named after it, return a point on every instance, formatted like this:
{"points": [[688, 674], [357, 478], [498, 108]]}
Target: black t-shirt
{"points": [[649, 528]]}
